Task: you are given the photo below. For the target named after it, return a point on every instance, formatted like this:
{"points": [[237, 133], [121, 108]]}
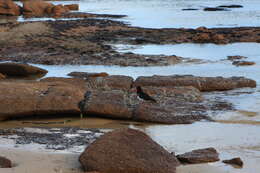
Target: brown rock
{"points": [[9, 8], [73, 81], [74, 7], [5, 163], [113, 82], [243, 63], [218, 39], [21, 70], [112, 104], [199, 156], [58, 10], [201, 83], [235, 161], [202, 38], [36, 8], [2, 76], [87, 75], [127, 151], [18, 99]]}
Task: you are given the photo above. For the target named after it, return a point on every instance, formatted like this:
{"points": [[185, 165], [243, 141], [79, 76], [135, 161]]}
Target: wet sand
{"points": [[42, 162]]}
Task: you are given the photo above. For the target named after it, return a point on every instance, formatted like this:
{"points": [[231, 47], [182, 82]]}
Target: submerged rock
{"points": [[21, 70], [20, 99], [201, 83], [5, 163], [235, 161], [9, 8], [127, 151], [199, 156], [214, 9]]}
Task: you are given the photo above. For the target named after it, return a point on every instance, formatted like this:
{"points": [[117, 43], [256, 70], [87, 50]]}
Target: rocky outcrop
{"points": [[87, 75], [214, 9], [5, 163], [231, 6], [127, 151], [73, 81], [235, 161], [199, 156], [174, 105], [21, 70], [36, 8], [19, 99], [201, 83], [9, 8]]}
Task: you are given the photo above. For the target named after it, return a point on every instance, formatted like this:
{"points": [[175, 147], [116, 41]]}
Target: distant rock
{"points": [[21, 70], [230, 6], [236, 57], [235, 161], [36, 8], [214, 9], [127, 151], [199, 156], [5, 163], [9, 8], [87, 74], [243, 63], [201, 83], [189, 9]]}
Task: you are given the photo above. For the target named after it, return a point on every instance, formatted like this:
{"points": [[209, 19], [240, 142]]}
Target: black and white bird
{"points": [[144, 96]]}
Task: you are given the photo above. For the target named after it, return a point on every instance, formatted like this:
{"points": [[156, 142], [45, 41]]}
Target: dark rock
{"points": [[214, 9], [235, 161], [87, 75], [127, 151], [236, 57], [201, 83], [5, 163], [199, 156], [189, 9], [21, 70], [243, 63], [230, 6]]}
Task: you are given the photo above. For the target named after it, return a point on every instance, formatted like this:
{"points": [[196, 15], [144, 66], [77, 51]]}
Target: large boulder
{"points": [[201, 83], [21, 70], [9, 8], [127, 151], [19, 99], [36, 8], [199, 156], [5, 163]]}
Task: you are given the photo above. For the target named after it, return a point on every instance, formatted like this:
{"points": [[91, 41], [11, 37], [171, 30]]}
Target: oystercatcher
{"points": [[142, 95]]}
